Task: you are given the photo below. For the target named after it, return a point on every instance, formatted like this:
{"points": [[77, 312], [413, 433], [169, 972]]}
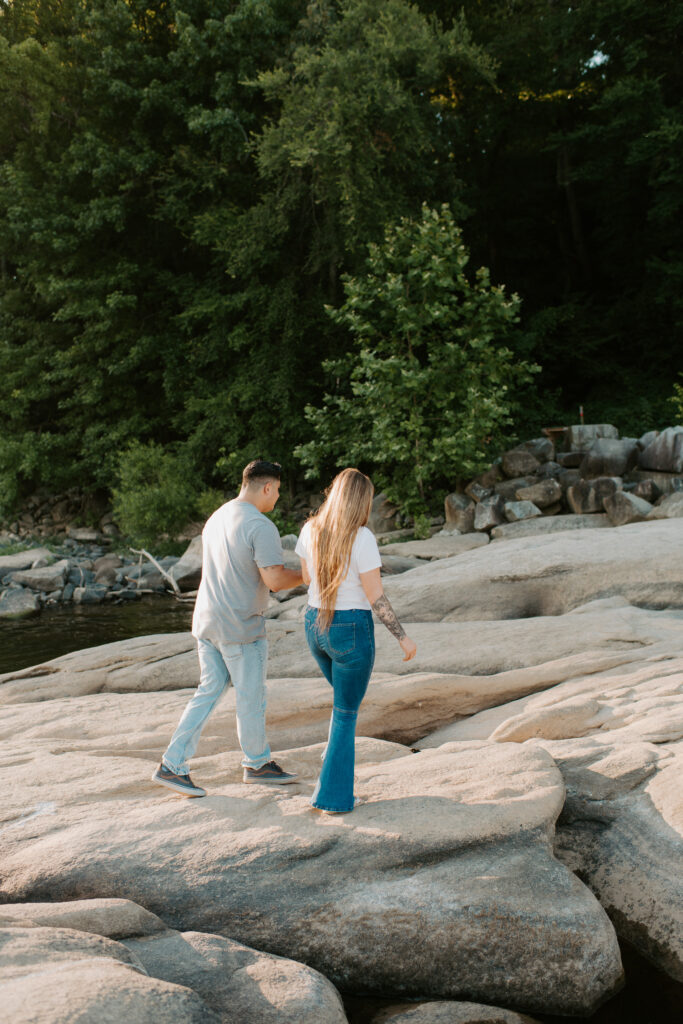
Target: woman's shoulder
{"points": [[365, 538]]}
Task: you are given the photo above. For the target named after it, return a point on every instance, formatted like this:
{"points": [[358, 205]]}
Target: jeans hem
{"points": [[333, 810]]}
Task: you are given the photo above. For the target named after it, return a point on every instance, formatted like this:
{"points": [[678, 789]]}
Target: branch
{"points": [[156, 565]]}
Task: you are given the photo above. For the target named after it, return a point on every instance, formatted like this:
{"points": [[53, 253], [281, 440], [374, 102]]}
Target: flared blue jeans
{"points": [[346, 654]]}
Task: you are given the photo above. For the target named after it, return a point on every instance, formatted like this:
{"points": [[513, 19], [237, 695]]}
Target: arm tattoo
{"points": [[386, 613]]}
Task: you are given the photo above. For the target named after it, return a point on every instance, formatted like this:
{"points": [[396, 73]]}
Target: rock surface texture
{"points": [[541, 815], [463, 833]]}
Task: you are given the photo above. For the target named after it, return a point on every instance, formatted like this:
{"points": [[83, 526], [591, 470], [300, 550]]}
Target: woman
{"points": [[340, 562]]}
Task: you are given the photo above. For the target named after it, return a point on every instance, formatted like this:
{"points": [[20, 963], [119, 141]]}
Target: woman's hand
{"points": [[409, 647]]}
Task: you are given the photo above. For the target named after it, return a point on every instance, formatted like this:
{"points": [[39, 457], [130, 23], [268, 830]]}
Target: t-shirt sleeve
{"points": [[301, 548], [367, 553], [267, 546]]}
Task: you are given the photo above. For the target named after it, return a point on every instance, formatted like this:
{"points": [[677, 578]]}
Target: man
{"points": [[242, 561]]}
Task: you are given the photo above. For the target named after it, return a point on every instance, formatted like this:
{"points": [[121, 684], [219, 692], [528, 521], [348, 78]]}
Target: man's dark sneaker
{"points": [[180, 783], [270, 774]]}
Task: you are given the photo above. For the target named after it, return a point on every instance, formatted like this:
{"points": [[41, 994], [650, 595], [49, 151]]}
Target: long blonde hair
{"points": [[334, 527]]}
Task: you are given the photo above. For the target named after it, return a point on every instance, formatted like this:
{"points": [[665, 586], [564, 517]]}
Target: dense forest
{"points": [[398, 233]]}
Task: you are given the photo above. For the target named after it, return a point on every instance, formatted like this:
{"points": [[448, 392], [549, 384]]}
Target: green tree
{"points": [[432, 387]]}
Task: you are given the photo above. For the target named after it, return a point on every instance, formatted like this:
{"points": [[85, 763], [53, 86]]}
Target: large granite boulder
{"points": [[520, 462], [664, 452], [57, 976], [617, 737], [544, 493], [17, 603], [442, 545], [547, 575], [449, 1012], [558, 524], [47, 578], [610, 457], [187, 571], [239, 983], [449, 858], [383, 515], [23, 560]]}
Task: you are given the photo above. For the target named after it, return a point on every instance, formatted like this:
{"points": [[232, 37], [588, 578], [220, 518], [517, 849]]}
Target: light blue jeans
{"points": [[243, 665]]}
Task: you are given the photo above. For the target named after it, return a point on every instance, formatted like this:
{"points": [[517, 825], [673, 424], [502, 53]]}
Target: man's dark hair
{"points": [[259, 471]]}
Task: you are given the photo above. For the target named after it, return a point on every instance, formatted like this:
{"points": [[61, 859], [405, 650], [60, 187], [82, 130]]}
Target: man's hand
{"points": [[276, 577]]}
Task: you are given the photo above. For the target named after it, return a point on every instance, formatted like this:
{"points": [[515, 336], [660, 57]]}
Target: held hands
{"points": [[409, 648]]}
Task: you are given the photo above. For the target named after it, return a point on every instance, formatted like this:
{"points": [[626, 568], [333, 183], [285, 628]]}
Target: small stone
{"points": [[106, 576], [549, 470], [288, 542], [623, 508], [589, 495], [106, 562], [647, 438], [68, 592], [519, 462], [542, 494], [84, 534], [89, 595], [516, 511], [478, 491]]}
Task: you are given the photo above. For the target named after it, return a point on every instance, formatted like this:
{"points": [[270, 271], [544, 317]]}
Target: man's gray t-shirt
{"points": [[232, 597]]}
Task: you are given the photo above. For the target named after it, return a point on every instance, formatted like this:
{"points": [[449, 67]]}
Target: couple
{"points": [[242, 561]]}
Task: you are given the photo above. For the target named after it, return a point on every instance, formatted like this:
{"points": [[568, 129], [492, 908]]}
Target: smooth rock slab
{"points": [[558, 524], [17, 604], [112, 919], [22, 559], [449, 857], [58, 976], [441, 1012], [642, 562], [440, 546], [50, 577], [238, 983]]}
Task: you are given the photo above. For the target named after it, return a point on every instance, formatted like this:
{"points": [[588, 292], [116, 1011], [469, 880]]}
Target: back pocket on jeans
{"points": [[342, 638]]}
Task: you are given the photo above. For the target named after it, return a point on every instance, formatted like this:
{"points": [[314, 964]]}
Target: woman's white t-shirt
{"points": [[364, 557]]}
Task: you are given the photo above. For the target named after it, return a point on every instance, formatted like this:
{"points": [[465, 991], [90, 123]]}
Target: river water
{"points": [[649, 997], [57, 631]]}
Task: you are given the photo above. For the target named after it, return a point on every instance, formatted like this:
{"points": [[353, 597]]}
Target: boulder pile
{"points": [[591, 471]]}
